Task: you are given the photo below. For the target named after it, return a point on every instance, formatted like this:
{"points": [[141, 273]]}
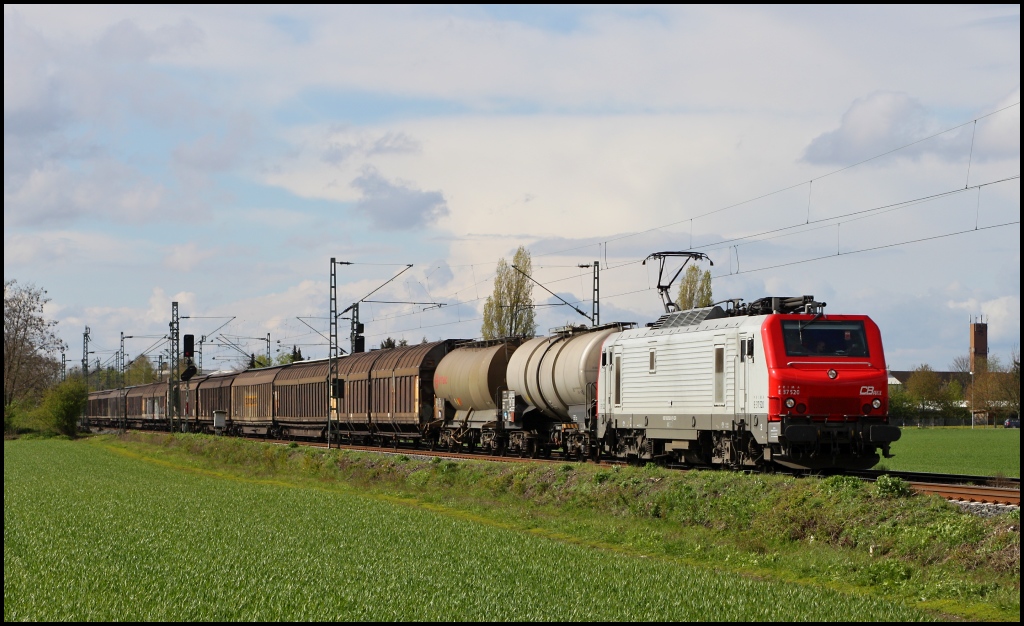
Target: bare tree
{"points": [[961, 367], [30, 343], [508, 312]]}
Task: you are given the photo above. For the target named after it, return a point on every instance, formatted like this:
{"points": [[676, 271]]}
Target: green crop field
{"points": [[97, 533], [977, 452]]}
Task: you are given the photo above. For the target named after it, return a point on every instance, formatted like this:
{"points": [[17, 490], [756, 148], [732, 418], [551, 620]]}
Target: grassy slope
{"points": [[90, 533], [978, 452]]}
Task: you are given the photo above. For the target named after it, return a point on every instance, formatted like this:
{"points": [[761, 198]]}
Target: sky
{"points": [[219, 157]]}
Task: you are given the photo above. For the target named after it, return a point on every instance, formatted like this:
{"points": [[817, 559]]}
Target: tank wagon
{"points": [[468, 385]]}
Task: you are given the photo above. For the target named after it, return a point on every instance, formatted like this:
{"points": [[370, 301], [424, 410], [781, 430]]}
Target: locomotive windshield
{"points": [[824, 338]]}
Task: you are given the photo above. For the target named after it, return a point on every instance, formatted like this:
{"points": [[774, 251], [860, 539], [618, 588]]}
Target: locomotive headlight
{"points": [[790, 403], [876, 403]]}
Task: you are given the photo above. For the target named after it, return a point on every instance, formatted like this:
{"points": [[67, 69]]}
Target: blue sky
{"points": [[220, 156]]}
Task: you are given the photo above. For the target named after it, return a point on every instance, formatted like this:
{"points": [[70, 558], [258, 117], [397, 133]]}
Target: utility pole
{"points": [[124, 394], [63, 366], [269, 362], [85, 357], [595, 310], [174, 370], [333, 349]]}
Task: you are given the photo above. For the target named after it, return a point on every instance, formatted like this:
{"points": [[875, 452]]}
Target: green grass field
{"points": [[978, 452], [93, 534]]}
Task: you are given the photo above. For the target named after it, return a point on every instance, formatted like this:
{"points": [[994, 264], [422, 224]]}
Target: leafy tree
{"points": [[901, 404], [390, 343], [924, 386], [508, 312], [694, 289], [139, 372], [63, 405], [996, 387], [704, 297], [289, 357], [257, 362], [688, 288], [31, 346], [1012, 384]]}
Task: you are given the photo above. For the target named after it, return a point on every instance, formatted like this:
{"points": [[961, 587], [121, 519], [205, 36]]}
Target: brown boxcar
{"points": [[213, 393], [252, 401], [390, 393], [301, 399], [103, 408], [354, 407], [146, 406]]}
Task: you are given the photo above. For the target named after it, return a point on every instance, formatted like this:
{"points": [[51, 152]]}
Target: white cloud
{"points": [[65, 248], [125, 40], [186, 257], [1002, 315]]}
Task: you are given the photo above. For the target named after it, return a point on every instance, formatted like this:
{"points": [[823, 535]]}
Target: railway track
{"points": [[954, 487], [980, 494]]}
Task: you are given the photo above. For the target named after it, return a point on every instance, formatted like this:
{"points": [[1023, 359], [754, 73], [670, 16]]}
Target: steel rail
{"points": [[970, 493]]}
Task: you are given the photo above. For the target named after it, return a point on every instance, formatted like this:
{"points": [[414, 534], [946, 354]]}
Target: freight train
{"points": [[772, 383]]}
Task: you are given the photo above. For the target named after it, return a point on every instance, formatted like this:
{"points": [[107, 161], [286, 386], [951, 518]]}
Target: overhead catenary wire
{"points": [[622, 236]]}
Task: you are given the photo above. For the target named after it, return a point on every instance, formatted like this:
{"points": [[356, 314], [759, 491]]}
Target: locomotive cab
{"points": [[827, 390]]}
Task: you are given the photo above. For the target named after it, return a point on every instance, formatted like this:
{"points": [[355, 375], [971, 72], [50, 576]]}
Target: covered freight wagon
{"points": [[301, 399], [389, 394], [252, 401]]}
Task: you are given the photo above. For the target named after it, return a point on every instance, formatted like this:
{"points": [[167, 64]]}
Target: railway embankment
{"points": [[840, 532]]}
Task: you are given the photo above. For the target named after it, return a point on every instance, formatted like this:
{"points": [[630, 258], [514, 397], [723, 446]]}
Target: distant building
{"points": [[979, 342]]}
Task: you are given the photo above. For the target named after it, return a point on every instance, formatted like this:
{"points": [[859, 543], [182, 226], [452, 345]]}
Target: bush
{"points": [[63, 405], [887, 486]]}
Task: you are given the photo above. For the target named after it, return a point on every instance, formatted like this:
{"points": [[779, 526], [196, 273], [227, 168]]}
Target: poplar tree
{"points": [[688, 288], [509, 312], [694, 289], [704, 297]]}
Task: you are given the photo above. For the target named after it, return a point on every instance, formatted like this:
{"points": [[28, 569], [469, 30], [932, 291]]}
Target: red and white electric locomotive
{"points": [[775, 381]]}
